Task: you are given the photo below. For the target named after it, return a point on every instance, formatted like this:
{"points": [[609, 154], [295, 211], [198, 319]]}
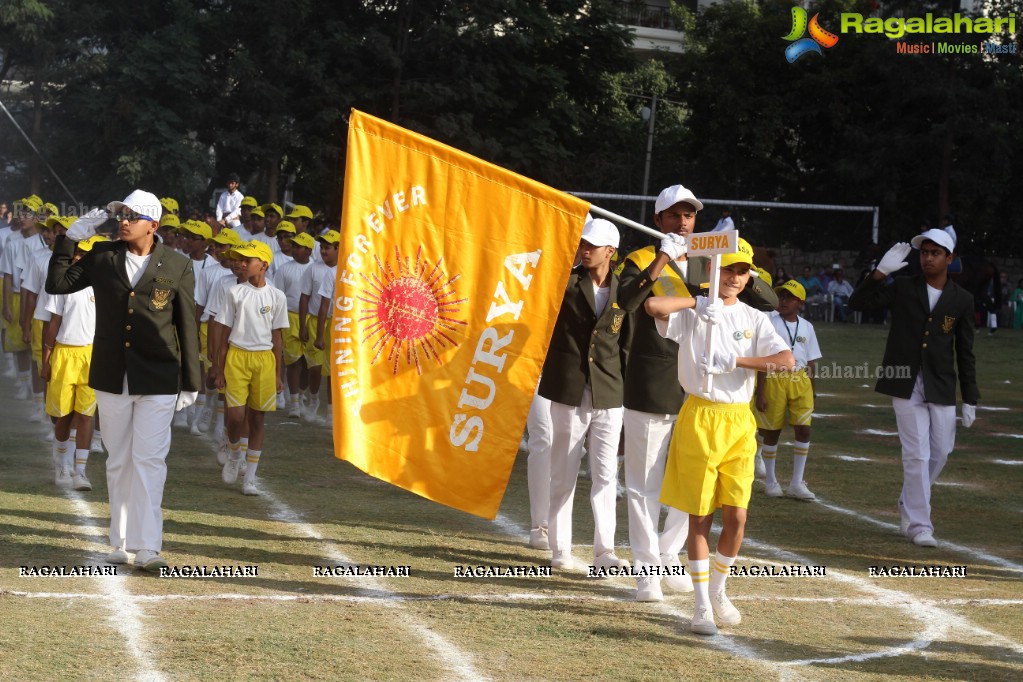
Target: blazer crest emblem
{"points": [[947, 325], [160, 298]]}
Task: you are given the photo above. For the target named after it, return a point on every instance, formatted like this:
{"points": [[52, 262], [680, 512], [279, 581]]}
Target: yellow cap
{"points": [[764, 276], [744, 255], [32, 203], [305, 239], [331, 237], [51, 209], [286, 226], [794, 288], [257, 212], [250, 201], [87, 244], [169, 220], [273, 207], [169, 204], [301, 211], [253, 249], [227, 236], [197, 227]]}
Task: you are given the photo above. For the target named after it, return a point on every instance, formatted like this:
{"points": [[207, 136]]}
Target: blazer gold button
{"points": [[927, 333], [127, 344], [591, 359], [925, 345], [131, 310], [128, 327], [131, 293]]}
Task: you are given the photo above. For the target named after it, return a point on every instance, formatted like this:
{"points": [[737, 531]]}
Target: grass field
{"points": [[288, 624]]}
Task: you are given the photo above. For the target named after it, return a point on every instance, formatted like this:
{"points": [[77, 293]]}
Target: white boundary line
{"points": [[458, 663], [126, 614]]}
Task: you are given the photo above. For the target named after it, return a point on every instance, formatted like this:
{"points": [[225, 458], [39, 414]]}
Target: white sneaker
{"points": [[759, 468], [96, 445], [609, 560], [202, 420], [230, 472], [925, 539], [282, 402], [564, 561], [703, 622], [798, 490], [63, 476], [772, 489], [80, 482], [249, 488], [222, 454], [218, 435], [683, 582], [148, 560], [22, 393], [538, 538], [295, 410], [648, 588], [724, 611], [118, 556], [36, 417]]}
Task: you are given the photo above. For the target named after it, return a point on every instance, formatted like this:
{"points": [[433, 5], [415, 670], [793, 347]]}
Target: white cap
{"points": [[939, 237], [673, 195], [142, 202], [600, 232]]}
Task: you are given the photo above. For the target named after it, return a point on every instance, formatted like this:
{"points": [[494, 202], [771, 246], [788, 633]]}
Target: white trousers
{"points": [[928, 434], [647, 437], [538, 463], [137, 434], [570, 426]]}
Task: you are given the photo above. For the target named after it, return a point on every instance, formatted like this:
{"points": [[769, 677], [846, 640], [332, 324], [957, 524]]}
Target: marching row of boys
{"points": [[249, 328]]}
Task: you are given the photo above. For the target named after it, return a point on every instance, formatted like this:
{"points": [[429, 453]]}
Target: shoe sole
{"points": [[706, 630], [83, 488], [800, 498], [152, 566]]}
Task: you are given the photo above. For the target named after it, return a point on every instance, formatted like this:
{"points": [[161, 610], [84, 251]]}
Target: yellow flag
{"points": [[450, 275]]}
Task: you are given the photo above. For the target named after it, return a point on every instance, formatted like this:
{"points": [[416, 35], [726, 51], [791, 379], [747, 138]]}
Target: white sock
{"points": [[97, 437], [220, 417], [243, 445], [25, 379], [770, 452], [699, 569], [60, 450], [799, 453], [251, 462], [81, 457], [719, 574], [38, 399]]}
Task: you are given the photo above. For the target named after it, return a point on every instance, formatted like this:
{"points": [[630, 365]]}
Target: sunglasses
{"points": [[130, 216]]}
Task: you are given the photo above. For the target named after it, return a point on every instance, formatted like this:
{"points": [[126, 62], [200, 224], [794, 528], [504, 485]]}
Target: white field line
{"points": [[850, 458], [512, 597], [821, 415], [971, 551], [126, 615], [876, 432], [458, 663], [992, 408], [1009, 435], [1009, 462]]}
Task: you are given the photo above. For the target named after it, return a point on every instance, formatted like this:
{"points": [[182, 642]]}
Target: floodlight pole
{"points": [[649, 154]]}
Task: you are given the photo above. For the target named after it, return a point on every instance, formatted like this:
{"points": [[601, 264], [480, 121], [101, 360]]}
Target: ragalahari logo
{"points": [[818, 36]]}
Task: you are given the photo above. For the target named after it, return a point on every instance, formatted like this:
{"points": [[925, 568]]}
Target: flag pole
{"points": [[625, 221]]}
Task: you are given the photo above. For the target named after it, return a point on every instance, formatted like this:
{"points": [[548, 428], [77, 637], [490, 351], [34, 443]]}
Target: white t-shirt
{"points": [[801, 337], [328, 286], [34, 280], [269, 241], [743, 331], [932, 296], [312, 281], [204, 285], [280, 260], [289, 279], [5, 233], [198, 266], [600, 296], [135, 266], [7, 258], [78, 316], [252, 314], [725, 223]]}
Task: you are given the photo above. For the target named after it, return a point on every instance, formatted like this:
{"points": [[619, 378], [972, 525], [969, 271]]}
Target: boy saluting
{"points": [[710, 459]]}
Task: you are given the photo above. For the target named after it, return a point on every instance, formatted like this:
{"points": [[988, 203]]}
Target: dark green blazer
{"points": [[585, 349], [147, 331], [651, 377], [922, 341]]}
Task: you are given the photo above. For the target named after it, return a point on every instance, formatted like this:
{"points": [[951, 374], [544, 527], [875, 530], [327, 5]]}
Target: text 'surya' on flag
{"points": [[450, 274]]}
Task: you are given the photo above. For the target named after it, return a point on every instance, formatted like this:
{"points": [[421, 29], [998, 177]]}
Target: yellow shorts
{"points": [[204, 342], [12, 338], [251, 379], [710, 459], [37, 341], [294, 349], [792, 392], [313, 355], [68, 390]]}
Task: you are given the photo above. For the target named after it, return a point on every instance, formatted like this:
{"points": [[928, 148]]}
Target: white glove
{"points": [[719, 363], [712, 313], [185, 398], [895, 259], [86, 225], [674, 245], [969, 414]]}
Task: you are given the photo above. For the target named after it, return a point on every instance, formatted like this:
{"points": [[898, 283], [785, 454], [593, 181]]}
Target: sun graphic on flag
{"points": [[411, 311]]}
